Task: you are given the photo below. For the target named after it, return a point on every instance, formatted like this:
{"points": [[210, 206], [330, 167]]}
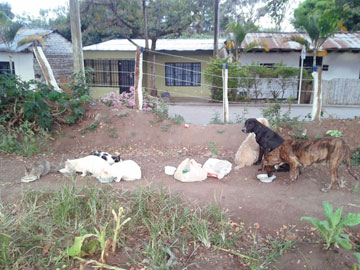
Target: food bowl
{"points": [[265, 179]]}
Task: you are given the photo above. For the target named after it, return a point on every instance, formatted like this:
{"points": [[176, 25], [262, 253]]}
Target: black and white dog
{"points": [[110, 159]]}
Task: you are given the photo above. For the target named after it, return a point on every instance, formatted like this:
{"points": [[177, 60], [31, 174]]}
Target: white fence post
{"points": [[225, 71], [138, 94]]}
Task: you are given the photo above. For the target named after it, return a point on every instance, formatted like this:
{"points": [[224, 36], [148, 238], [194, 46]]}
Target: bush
{"points": [[27, 108]]}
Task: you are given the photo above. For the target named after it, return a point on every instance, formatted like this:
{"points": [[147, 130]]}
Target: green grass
{"points": [[160, 223]]}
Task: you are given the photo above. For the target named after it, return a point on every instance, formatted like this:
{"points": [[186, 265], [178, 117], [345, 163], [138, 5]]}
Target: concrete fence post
{"points": [[225, 72], [138, 94]]}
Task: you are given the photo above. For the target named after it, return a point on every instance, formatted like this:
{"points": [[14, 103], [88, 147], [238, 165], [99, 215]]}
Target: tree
{"points": [[318, 20], [276, 9], [348, 11], [238, 31], [8, 30], [6, 8]]}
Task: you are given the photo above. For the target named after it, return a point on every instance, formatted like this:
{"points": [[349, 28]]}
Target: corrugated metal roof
{"points": [[21, 34], [276, 41], [161, 45]]}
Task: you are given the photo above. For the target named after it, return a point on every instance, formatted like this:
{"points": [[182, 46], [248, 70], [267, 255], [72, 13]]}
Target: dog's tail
{"points": [[348, 161]]}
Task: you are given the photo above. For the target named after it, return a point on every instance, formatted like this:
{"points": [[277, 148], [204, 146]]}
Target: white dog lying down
{"points": [[127, 170], [248, 151]]}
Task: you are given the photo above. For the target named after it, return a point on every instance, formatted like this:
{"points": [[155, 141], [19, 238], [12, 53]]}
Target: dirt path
{"points": [[154, 144]]}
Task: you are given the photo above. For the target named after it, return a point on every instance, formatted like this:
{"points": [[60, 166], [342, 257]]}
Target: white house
{"points": [[57, 50], [339, 55]]}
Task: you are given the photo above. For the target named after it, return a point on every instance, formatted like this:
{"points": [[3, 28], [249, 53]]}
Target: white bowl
{"points": [[265, 179], [169, 170]]}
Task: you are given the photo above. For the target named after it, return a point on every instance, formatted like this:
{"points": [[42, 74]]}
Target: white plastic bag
{"points": [[217, 168], [190, 171]]}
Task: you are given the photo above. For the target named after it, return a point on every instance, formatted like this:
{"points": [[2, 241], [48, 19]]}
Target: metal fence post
{"points": [[225, 71], [138, 94]]}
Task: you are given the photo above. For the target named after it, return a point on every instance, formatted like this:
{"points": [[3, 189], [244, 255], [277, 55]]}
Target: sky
{"points": [[32, 7]]}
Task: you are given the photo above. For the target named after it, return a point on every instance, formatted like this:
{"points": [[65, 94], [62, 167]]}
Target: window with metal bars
{"points": [[182, 74], [5, 67], [111, 72]]}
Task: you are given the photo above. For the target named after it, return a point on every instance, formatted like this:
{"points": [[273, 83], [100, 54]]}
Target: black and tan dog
{"points": [[299, 154], [267, 139]]}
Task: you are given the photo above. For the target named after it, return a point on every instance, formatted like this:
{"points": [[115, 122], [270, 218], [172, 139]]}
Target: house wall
{"points": [[175, 91], [202, 91], [23, 63], [100, 92], [344, 65], [58, 52], [341, 65]]}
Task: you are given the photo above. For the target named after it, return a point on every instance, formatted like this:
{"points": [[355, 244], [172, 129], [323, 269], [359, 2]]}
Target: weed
{"points": [[357, 255], [273, 114], [122, 115], [332, 228], [165, 127], [178, 119], [93, 126], [220, 131], [299, 134], [334, 133], [216, 119], [112, 132], [213, 148], [318, 136], [241, 118], [355, 158]]}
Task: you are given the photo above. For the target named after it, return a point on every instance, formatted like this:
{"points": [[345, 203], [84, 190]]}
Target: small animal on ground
{"points": [[302, 153], [89, 164], [248, 151], [127, 170], [267, 139], [106, 156]]}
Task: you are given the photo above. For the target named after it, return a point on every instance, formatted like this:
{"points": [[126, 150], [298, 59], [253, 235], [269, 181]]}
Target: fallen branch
{"points": [[98, 264]]}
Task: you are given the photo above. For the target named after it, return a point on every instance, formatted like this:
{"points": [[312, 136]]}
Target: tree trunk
{"points": [[76, 37], [216, 28], [145, 25]]}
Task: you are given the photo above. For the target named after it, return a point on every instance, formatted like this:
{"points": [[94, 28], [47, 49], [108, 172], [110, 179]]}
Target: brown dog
{"points": [[305, 153]]}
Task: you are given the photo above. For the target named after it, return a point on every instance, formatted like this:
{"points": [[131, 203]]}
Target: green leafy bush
{"points": [[334, 133], [273, 114], [332, 228], [30, 107]]}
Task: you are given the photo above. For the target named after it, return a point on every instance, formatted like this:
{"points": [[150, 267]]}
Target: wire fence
{"points": [[178, 76]]}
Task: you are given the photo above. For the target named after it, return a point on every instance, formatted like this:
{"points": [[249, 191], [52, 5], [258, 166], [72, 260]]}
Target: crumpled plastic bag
{"points": [[190, 171], [217, 168]]}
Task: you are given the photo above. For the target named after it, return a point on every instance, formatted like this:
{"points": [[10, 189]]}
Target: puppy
{"points": [[89, 164], [248, 152], [267, 139], [127, 170], [106, 156], [305, 153]]}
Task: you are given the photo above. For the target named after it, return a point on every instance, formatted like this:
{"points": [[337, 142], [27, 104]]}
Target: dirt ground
{"points": [[153, 144]]}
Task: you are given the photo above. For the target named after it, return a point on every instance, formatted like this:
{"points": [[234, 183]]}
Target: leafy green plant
{"points": [[4, 250], [334, 133], [355, 158], [273, 114], [216, 119], [177, 119], [213, 148], [332, 228]]}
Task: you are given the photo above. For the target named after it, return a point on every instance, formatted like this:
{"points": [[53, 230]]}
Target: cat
{"points": [[89, 164], [110, 159], [127, 170]]}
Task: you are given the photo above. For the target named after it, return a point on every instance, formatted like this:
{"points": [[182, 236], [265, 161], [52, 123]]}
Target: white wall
{"points": [[342, 65], [290, 59], [23, 63]]}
